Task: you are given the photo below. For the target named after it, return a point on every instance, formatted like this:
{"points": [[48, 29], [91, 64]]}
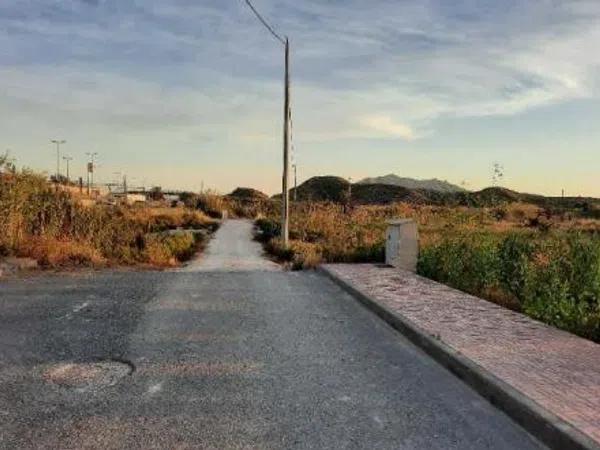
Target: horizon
{"points": [[181, 95]]}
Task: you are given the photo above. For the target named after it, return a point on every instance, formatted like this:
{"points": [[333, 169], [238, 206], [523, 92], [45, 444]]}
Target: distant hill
{"points": [[244, 193], [337, 189], [411, 183], [322, 189]]}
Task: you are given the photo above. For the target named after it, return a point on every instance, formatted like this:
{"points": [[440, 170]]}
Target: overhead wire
{"points": [[265, 23]]}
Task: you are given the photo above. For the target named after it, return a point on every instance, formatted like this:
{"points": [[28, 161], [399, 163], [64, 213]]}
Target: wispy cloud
{"points": [[385, 125]]}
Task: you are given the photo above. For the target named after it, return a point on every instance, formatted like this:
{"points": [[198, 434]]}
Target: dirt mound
{"points": [[244, 193]]}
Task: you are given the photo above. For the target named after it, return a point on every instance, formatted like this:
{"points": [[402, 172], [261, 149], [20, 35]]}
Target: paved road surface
{"points": [[248, 359]]}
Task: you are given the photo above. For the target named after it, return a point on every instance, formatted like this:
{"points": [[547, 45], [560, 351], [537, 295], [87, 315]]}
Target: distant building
{"points": [[130, 199], [172, 198]]}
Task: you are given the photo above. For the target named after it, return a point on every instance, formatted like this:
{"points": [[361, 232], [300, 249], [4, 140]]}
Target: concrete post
{"points": [[402, 244]]}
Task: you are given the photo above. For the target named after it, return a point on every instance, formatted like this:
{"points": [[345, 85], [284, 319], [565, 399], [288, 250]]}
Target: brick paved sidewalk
{"points": [[558, 370]]}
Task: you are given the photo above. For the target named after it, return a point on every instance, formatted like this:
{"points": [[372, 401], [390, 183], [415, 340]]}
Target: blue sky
{"points": [[180, 92]]}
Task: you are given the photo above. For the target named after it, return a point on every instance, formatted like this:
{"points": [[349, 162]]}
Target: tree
{"points": [[156, 193]]}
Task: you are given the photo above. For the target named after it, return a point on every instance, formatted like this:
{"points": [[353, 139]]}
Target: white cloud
{"points": [[385, 125]]}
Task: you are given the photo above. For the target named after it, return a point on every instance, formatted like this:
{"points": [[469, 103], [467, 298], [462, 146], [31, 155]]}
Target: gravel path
{"points": [[233, 249]]}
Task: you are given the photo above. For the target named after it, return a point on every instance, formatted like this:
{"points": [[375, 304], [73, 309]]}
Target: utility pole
{"points": [[58, 143], [87, 171], [285, 217], [68, 159], [285, 195]]}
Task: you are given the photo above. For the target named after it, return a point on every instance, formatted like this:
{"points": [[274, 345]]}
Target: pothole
{"points": [[88, 375]]}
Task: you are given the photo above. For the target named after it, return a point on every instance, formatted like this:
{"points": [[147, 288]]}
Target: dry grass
{"points": [[335, 233], [51, 252], [57, 230], [520, 256]]}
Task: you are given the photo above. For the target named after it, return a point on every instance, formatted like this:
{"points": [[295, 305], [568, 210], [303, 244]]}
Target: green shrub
{"points": [[556, 277], [268, 229], [515, 252], [470, 263], [563, 284]]}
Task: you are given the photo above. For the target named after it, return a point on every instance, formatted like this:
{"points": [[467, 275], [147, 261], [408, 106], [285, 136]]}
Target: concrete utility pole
{"points": [[285, 216], [68, 159], [58, 143], [285, 195]]}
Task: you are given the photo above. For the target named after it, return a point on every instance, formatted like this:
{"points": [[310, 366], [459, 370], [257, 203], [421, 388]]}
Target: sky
{"points": [[189, 93]]}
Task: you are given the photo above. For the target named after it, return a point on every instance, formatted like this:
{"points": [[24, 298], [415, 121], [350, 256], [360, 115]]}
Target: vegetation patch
{"points": [[48, 224], [553, 277], [542, 262]]}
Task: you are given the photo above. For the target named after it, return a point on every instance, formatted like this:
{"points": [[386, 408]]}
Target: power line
{"points": [[265, 23]]}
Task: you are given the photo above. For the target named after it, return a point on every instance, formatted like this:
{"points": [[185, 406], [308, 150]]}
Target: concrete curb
{"points": [[541, 423]]}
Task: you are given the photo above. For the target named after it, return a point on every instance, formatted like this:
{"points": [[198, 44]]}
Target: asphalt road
{"points": [[227, 355]]}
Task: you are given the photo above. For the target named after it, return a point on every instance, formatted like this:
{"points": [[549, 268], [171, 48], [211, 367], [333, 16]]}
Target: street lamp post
{"points": [[68, 159], [58, 143]]}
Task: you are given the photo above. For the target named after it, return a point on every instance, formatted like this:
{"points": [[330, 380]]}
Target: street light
{"points": [[58, 143], [68, 159]]}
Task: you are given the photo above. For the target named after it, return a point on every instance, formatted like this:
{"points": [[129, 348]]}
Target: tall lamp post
{"points": [[68, 159], [285, 196], [58, 143]]}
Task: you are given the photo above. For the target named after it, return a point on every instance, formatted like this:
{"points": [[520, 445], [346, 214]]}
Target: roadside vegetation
{"points": [[541, 262], [56, 229]]}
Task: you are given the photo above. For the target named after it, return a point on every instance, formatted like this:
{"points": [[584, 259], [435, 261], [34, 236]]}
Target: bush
{"points": [[469, 263], [556, 278], [515, 252], [268, 229], [167, 249], [300, 255], [212, 204], [563, 285]]}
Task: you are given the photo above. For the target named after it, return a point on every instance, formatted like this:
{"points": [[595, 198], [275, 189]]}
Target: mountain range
{"points": [[411, 183]]}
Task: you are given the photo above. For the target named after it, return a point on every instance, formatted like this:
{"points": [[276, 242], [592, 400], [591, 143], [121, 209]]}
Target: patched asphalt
{"points": [[241, 358]]}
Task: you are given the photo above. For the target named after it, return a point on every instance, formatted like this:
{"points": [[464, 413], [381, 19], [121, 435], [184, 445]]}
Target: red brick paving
{"points": [[558, 370]]}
